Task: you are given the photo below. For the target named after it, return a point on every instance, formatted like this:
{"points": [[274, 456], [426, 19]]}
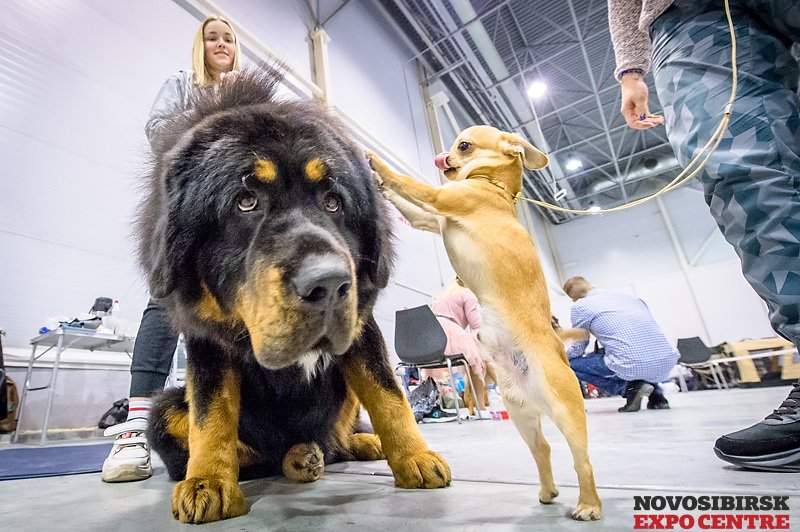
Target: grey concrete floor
{"points": [[494, 486]]}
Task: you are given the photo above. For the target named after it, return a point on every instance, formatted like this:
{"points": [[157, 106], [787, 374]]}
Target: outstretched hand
{"points": [[634, 103]]}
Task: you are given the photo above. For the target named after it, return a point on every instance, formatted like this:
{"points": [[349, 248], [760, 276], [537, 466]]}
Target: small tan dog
{"points": [[496, 258]]}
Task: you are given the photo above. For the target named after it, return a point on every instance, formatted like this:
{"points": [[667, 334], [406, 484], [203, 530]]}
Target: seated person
{"points": [[456, 309], [637, 355]]}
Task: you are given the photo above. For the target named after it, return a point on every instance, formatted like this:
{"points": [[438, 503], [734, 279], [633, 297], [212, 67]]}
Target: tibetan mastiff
{"points": [[264, 236]]}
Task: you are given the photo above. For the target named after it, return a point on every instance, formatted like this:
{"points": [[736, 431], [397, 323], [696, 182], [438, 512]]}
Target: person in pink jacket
{"points": [[459, 314]]}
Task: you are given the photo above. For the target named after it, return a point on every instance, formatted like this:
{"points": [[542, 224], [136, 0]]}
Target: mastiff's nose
{"points": [[323, 281]]}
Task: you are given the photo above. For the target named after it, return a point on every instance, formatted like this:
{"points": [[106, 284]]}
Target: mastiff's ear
{"points": [[173, 239], [380, 251], [162, 277], [383, 257], [532, 158]]}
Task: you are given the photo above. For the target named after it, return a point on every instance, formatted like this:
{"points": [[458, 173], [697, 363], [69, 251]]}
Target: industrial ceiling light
{"points": [[593, 208], [537, 89], [573, 164]]}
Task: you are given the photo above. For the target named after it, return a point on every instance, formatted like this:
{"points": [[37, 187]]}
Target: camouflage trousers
{"points": [[752, 182]]}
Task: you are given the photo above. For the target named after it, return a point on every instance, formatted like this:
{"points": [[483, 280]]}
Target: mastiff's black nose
{"points": [[323, 281]]}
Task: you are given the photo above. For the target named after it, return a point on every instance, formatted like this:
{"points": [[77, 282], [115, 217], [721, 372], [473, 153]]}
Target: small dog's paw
{"points": [[421, 470], [203, 500], [587, 512], [366, 447], [546, 495], [379, 168], [304, 462]]}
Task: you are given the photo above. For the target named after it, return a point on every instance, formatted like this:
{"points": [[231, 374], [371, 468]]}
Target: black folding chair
{"points": [[696, 355], [419, 341]]}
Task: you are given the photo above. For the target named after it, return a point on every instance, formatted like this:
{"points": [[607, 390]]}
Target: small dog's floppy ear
{"points": [[532, 158]]}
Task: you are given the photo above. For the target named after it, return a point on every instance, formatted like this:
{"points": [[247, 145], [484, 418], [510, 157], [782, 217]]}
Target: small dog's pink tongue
{"points": [[441, 161]]}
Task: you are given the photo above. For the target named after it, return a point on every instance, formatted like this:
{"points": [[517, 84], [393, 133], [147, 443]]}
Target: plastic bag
{"points": [[423, 398], [118, 413]]}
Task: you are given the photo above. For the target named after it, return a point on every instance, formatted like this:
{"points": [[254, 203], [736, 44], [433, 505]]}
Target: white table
{"points": [[61, 339]]}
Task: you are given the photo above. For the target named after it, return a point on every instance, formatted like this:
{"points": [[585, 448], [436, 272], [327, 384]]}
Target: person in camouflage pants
{"points": [[752, 181]]}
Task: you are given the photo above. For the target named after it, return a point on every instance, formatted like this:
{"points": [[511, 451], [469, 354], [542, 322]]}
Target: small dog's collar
{"points": [[493, 182]]}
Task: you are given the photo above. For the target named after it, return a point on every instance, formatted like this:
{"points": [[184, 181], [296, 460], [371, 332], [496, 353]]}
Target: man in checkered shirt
{"points": [[637, 355]]}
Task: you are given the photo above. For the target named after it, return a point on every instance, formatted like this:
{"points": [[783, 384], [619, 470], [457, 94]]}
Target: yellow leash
{"points": [[689, 172]]}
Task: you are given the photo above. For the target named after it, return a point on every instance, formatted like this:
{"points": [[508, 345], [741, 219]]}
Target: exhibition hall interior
{"points": [[400, 265]]}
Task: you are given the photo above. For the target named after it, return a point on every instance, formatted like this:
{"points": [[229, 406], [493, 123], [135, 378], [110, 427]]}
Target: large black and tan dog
{"points": [[266, 238]]}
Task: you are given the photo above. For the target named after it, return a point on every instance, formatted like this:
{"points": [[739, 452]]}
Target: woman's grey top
{"points": [[629, 22], [173, 97]]}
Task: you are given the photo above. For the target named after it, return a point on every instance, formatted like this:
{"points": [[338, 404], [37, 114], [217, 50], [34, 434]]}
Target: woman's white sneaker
{"points": [[129, 459]]}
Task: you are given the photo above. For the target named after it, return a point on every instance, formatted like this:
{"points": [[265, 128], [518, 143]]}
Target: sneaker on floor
{"points": [[129, 459], [437, 415], [770, 445], [636, 391]]}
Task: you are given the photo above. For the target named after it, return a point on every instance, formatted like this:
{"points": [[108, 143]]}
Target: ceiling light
{"points": [[573, 164], [594, 208], [537, 89], [561, 194]]}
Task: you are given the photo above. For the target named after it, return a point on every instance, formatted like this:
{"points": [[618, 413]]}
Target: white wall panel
{"points": [[374, 82], [672, 304], [280, 25], [732, 310], [77, 84], [694, 225], [614, 248]]}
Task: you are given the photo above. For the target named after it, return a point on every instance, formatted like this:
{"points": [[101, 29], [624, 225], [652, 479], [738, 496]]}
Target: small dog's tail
{"points": [[573, 334]]}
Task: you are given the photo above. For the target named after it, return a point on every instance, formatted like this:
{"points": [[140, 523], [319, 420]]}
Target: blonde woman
{"points": [[215, 56]]}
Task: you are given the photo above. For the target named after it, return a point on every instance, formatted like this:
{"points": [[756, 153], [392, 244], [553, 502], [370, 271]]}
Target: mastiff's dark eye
{"points": [[332, 202], [247, 201], [464, 146]]}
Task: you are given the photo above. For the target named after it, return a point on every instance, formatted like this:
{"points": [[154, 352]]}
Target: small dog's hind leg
{"points": [[570, 418], [529, 427]]}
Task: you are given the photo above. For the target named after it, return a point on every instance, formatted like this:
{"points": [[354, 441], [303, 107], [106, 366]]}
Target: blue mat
{"points": [[36, 462]]}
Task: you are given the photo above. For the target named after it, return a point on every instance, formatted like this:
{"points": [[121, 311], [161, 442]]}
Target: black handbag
{"points": [[118, 413]]}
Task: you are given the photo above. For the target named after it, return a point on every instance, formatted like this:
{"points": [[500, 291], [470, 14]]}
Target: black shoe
{"points": [[437, 415], [657, 401], [769, 445], [636, 391]]}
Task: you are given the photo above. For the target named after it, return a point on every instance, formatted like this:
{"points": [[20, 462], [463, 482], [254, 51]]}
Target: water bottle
{"points": [[112, 320], [497, 408], [495, 404], [459, 380]]}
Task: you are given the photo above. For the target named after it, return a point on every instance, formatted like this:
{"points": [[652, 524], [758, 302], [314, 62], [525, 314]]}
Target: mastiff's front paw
{"points": [[202, 500], [366, 447], [304, 462], [421, 470]]}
